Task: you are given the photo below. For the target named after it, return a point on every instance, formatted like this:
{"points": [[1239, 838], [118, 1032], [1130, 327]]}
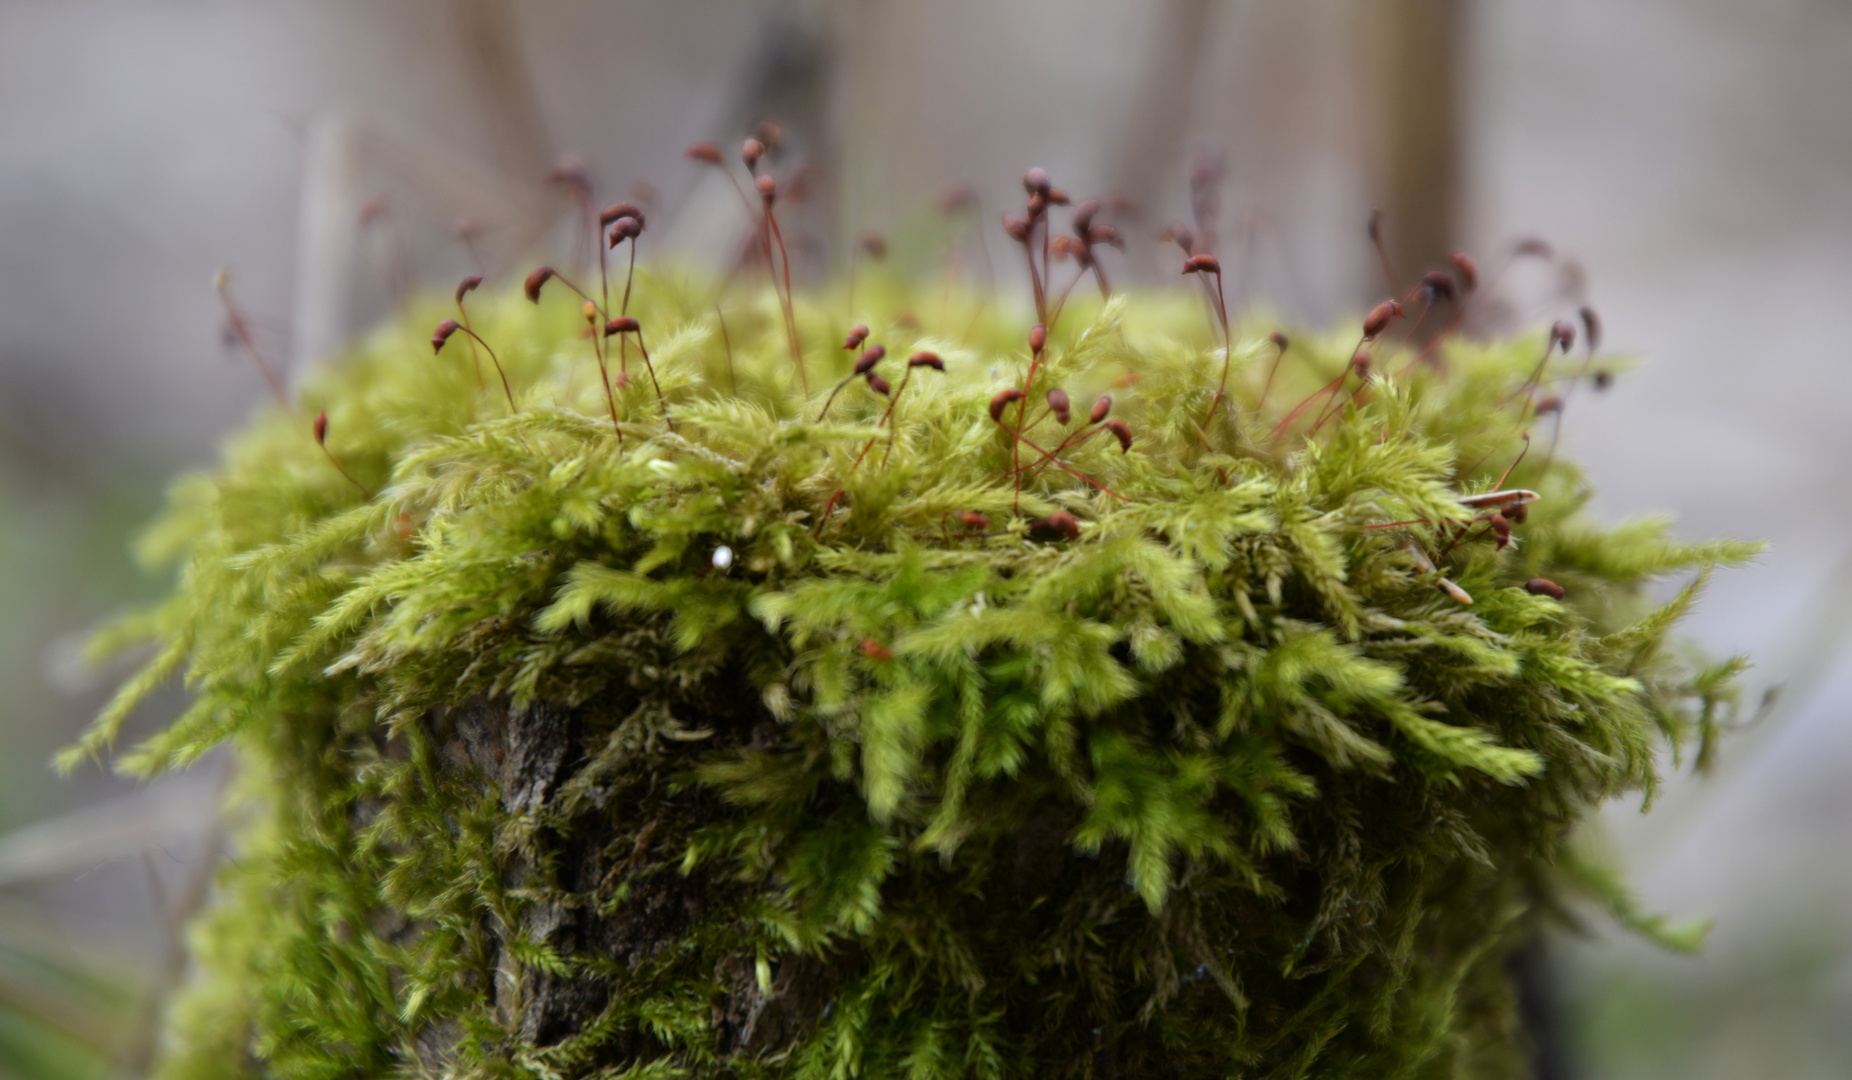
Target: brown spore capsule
{"points": [[1204, 264], [974, 520], [1378, 319], [1038, 338], [442, 334], [1538, 586], [1121, 432], [540, 276], [617, 210], [1100, 409], [1059, 404], [705, 152], [1059, 525], [1016, 227], [878, 384], [1280, 341], [925, 358], [1036, 182], [1501, 530], [1465, 269], [1439, 284], [321, 428], [570, 171], [751, 151], [857, 334], [467, 286], [1563, 334], [1083, 214], [623, 324], [869, 358], [1591, 327], [1001, 400], [768, 187], [956, 198], [1179, 234], [1604, 379]]}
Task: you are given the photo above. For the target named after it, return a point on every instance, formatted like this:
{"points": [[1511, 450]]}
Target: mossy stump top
{"points": [[684, 733]]}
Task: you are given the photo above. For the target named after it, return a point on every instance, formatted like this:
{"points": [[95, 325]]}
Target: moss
{"points": [[535, 785]]}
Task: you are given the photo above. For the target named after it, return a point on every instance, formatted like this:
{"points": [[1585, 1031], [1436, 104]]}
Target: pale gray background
{"points": [[1692, 155]]}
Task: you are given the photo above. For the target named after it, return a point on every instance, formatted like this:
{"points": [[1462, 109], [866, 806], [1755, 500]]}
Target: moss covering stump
{"points": [[933, 738]]}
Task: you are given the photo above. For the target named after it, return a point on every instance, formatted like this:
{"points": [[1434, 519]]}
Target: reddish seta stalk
{"points": [[241, 329], [919, 359]]}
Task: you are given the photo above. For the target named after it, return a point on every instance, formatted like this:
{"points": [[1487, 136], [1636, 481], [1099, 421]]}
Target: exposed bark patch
{"points": [[751, 1022]]}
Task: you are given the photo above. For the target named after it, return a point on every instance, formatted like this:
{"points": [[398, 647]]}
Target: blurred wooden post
{"points": [[1149, 159], [489, 40], [1421, 188]]}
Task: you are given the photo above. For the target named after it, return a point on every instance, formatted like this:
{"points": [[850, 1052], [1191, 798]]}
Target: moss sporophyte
{"points": [[901, 722]]}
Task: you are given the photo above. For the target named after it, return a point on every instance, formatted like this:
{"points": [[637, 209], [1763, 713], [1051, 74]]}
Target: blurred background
{"points": [[1686, 161]]}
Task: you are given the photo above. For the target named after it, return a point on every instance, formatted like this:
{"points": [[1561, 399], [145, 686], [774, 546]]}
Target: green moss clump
{"points": [[539, 784]]}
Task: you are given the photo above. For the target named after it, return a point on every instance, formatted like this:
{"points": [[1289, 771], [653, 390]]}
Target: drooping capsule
{"points": [[1002, 400], [1059, 405], [442, 334], [617, 210], [1563, 333], [1591, 327]]}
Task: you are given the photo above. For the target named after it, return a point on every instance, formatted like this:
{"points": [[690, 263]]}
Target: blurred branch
{"points": [[82, 840], [492, 56]]}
